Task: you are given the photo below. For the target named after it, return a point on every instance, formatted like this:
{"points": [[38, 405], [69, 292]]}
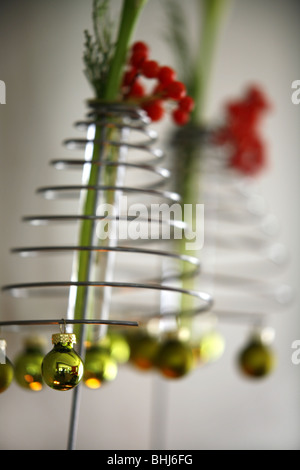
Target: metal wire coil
{"points": [[250, 261], [133, 120]]}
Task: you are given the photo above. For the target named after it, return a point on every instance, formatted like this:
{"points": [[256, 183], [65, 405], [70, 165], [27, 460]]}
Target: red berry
{"points": [[150, 69], [159, 90], [180, 117], [175, 90], [166, 75], [129, 76], [186, 104], [137, 90], [235, 110], [255, 97], [138, 57], [139, 53], [154, 109], [140, 46]]}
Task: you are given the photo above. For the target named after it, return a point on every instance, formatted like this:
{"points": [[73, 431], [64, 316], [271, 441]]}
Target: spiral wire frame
{"points": [[249, 261], [127, 120], [135, 121]]}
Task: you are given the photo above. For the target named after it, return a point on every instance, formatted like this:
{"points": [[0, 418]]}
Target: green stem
{"points": [[130, 12], [212, 13], [190, 195], [86, 232]]}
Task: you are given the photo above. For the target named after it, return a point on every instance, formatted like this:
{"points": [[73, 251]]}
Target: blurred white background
{"points": [[41, 46]]}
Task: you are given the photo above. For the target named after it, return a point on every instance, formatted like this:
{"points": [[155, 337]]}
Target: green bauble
{"points": [[210, 347], [256, 360], [6, 368], [99, 367], [62, 368], [117, 345], [28, 366], [175, 359], [6, 375], [143, 350]]}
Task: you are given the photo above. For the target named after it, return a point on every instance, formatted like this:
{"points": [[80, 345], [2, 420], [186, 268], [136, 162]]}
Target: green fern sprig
{"points": [[99, 48]]}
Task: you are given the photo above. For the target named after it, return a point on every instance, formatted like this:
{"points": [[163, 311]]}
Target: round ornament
{"points": [[99, 367], [62, 367]]}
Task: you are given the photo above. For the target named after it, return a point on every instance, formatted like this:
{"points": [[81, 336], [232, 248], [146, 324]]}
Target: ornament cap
{"points": [[63, 338], [264, 335]]}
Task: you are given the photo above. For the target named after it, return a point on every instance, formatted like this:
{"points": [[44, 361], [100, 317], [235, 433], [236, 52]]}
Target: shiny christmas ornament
{"points": [[175, 358], [210, 348], [99, 367], [257, 359], [6, 368], [62, 368], [28, 365], [143, 350], [117, 345]]}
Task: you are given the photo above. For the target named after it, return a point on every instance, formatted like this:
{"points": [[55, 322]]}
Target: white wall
{"points": [[41, 47]]}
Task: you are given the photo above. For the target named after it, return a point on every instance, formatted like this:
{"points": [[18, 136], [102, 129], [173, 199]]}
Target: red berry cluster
{"points": [[167, 88], [241, 132]]}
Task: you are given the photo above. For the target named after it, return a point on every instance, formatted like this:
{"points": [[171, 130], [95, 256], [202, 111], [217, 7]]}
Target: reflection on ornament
{"points": [[257, 359], [175, 358], [6, 368], [28, 373], [99, 367], [143, 350], [62, 368]]}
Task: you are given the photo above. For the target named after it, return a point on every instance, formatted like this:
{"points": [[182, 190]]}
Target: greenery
{"points": [[104, 60], [105, 51], [195, 66], [99, 50]]}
